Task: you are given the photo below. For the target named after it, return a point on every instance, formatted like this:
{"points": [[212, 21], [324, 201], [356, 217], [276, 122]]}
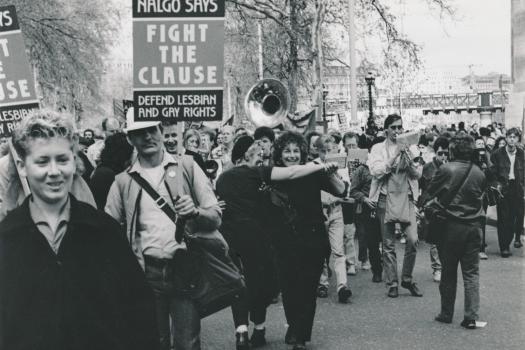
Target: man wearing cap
{"points": [[151, 232]]}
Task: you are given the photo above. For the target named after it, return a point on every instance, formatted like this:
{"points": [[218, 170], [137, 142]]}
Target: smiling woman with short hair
{"points": [[68, 279]]}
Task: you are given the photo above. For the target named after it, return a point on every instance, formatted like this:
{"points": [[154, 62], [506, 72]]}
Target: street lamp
{"points": [[370, 79], [325, 123]]}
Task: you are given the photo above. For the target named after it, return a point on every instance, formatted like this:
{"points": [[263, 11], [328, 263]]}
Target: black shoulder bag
{"points": [[204, 272], [278, 199], [435, 211]]}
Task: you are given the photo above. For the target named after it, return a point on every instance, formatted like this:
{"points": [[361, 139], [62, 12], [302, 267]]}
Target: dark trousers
{"points": [[372, 237], [510, 215], [360, 233], [255, 301], [460, 245], [185, 323], [300, 267], [483, 245]]}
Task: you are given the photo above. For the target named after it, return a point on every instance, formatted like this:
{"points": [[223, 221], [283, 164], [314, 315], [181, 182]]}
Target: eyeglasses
{"points": [[396, 127], [442, 153]]}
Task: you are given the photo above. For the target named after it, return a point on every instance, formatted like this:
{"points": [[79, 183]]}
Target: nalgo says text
{"points": [[176, 6]]}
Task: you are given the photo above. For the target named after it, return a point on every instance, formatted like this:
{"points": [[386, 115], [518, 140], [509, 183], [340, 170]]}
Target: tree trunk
{"points": [[317, 97], [292, 82]]}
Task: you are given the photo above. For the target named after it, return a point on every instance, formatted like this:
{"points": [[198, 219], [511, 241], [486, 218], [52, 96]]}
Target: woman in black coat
{"points": [[300, 236], [68, 279]]}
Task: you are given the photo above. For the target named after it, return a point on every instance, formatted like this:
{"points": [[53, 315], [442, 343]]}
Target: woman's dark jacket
{"points": [[360, 188], [245, 230], [100, 183], [91, 295], [198, 159]]}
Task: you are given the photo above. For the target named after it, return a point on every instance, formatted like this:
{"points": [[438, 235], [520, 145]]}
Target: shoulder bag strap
{"points": [[260, 171], [457, 188], [157, 198]]}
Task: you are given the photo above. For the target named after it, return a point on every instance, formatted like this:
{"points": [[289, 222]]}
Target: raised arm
{"points": [[297, 171], [334, 185]]}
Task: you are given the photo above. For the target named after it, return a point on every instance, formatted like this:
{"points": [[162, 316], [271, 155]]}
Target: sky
{"points": [[479, 35]]}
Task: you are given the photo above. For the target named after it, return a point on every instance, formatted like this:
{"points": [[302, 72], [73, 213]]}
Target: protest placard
{"points": [[358, 154], [17, 88], [178, 60], [408, 138], [339, 159]]}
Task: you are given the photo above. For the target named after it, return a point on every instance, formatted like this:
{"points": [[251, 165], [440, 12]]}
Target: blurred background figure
{"points": [[115, 157], [110, 126]]}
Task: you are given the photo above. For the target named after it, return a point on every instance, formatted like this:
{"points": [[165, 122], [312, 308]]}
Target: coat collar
{"points": [[20, 217]]}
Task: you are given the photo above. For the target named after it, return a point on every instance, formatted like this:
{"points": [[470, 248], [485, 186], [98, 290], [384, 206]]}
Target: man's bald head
{"points": [[110, 126]]}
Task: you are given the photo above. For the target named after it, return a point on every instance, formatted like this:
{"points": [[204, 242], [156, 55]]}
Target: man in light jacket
{"points": [[151, 232], [383, 163]]}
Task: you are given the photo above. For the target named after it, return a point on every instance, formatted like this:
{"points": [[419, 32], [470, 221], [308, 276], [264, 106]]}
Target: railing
{"points": [[445, 102]]}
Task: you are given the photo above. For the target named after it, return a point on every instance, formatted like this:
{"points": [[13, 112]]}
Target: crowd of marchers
{"points": [[87, 258]]}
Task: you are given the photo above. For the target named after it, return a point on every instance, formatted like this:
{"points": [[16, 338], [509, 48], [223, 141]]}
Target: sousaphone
{"points": [[267, 103]]}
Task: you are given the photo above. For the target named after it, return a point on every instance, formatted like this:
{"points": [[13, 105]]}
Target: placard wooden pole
{"points": [[353, 61], [15, 157], [180, 153]]}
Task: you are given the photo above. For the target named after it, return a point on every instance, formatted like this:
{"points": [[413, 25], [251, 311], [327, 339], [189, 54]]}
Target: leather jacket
{"points": [[467, 204]]}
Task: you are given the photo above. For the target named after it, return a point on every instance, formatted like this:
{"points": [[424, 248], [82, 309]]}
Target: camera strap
{"points": [[454, 192]]}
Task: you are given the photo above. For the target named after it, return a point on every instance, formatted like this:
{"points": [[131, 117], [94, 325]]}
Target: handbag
{"points": [[204, 272], [397, 199], [435, 211], [279, 199]]}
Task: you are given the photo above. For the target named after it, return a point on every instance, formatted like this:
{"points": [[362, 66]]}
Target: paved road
{"points": [[373, 321]]}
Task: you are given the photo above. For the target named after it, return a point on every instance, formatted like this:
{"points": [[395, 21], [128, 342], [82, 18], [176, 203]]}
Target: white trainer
{"points": [[437, 276]]}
